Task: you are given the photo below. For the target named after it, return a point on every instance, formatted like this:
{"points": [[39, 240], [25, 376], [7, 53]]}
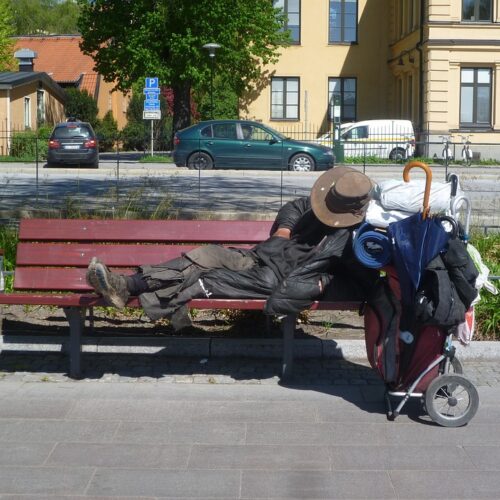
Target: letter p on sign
{"points": [[152, 82]]}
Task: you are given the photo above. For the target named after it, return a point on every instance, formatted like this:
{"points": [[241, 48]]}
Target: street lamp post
{"points": [[212, 47]]}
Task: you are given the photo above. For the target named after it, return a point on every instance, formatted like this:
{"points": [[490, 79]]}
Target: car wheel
{"points": [[302, 162], [397, 154], [200, 161]]}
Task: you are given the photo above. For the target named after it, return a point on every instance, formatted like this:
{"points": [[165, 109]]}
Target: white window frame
{"points": [[286, 97], [40, 106], [342, 82], [340, 24], [27, 112], [475, 85]]}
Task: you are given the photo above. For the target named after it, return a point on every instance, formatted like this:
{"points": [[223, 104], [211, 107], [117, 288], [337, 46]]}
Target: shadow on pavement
{"points": [[158, 354]]}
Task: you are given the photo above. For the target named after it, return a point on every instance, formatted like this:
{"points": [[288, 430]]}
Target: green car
{"points": [[246, 144]]}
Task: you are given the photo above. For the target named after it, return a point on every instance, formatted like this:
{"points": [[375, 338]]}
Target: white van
{"points": [[394, 139]]}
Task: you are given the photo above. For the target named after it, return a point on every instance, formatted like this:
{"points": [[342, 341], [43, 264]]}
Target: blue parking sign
{"points": [[152, 82]]}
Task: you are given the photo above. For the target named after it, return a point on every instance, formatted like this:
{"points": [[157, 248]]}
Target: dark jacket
{"points": [[324, 253]]}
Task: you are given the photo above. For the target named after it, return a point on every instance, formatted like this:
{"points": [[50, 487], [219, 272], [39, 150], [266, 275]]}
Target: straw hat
{"points": [[340, 196]]}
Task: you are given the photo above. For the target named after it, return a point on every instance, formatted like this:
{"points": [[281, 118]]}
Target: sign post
{"points": [[338, 147], [151, 109]]}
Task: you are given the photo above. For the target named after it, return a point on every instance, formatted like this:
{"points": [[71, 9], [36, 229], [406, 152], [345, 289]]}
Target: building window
{"points": [[345, 88], [343, 21], [40, 107], [475, 97], [27, 113], [476, 10], [285, 99], [291, 8]]}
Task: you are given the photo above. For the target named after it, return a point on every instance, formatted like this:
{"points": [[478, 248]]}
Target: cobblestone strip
{"points": [[52, 367]]}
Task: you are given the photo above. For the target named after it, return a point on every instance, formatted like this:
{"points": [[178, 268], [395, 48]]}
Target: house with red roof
{"points": [[61, 58], [27, 98]]}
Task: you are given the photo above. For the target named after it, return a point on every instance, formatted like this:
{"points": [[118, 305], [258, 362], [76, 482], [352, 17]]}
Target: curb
{"points": [[225, 347]]}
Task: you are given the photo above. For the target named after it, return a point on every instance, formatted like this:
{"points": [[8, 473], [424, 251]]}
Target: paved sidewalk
{"points": [[146, 426]]}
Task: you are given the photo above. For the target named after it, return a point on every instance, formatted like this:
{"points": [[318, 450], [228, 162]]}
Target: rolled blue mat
{"points": [[372, 248]]}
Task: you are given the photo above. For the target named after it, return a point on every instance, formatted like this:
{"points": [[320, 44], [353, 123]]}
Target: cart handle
{"points": [[453, 179], [428, 181]]}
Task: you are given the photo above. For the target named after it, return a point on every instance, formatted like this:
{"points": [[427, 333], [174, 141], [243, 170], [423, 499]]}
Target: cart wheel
{"points": [[451, 400]]}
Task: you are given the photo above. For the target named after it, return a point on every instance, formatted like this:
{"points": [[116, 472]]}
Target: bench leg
{"points": [[288, 329], [76, 320], [91, 318]]}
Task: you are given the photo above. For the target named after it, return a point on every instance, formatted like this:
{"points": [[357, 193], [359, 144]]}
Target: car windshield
{"points": [[72, 131]]}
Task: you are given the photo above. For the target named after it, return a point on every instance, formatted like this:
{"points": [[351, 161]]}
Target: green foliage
{"points": [[136, 204], [8, 243], [487, 311], [107, 130], [44, 16], [155, 159], [166, 39], [371, 159], [7, 61], [226, 101], [136, 134], [44, 131], [354, 160], [81, 105], [25, 145]]}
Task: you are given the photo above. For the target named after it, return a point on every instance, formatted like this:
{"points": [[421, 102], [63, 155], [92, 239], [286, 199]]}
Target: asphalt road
{"points": [[130, 185]]}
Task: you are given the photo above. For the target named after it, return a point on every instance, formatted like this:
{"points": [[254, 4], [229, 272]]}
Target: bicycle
{"points": [[466, 150], [446, 154]]}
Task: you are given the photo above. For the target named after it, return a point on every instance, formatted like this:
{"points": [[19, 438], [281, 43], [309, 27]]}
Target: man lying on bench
{"points": [[310, 244]]}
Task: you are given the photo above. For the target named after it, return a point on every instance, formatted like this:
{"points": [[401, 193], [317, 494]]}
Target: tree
{"points": [[225, 101], [45, 16], [107, 128], [6, 43], [132, 39], [137, 133], [81, 105]]}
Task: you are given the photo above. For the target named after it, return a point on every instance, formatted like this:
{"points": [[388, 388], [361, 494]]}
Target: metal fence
{"points": [[361, 143], [29, 187]]}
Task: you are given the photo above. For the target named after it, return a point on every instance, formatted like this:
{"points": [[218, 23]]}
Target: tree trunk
{"points": [[182, 105]]}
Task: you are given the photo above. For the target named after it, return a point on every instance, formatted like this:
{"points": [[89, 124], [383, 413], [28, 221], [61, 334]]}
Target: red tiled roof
{"points": [[60, 57], [89, 82]]}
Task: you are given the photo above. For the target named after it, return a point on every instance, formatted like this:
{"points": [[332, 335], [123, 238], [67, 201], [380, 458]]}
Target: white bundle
{"points": [[409, 196], [378, 216]]}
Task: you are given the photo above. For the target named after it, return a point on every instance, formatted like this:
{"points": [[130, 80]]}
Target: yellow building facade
{"points": [[435, 62]]}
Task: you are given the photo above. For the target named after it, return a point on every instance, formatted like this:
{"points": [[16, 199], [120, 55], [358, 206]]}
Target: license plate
{"points": [[72, 146]]}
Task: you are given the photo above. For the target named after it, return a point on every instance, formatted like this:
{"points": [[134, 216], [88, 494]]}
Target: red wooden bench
{"points": [[53, 254]]}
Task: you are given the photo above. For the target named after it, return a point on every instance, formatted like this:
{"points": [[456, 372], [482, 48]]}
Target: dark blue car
{"points": [[73, 143], [246, 144]]}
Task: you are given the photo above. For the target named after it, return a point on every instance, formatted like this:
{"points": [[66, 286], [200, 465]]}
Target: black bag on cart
{"points": [[398, 356], [382, 314]]}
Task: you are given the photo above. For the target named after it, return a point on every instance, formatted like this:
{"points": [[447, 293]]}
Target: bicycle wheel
{"points": [[466, 157], [446, 155], [451, 400], [469, 157]]}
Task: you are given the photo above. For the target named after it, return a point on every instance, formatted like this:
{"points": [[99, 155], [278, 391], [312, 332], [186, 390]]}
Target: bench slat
{"points": [[183, 231], [53, 278], [73, 279], [79, 254], [88, 300]]}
